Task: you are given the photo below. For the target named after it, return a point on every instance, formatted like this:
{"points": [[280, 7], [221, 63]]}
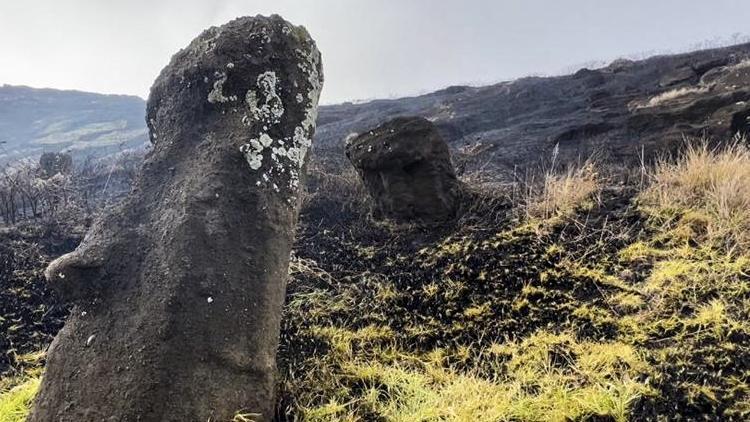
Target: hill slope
{"points": [[590, 296], [33, 121], [616, 109]]}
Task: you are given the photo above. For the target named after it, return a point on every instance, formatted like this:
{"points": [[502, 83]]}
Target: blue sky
{"points": [[371, 48]]}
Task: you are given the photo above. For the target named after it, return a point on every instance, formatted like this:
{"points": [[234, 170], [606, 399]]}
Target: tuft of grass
{"points": [[708, 190], [561, 195], [16, 397], [546, 377], [17, 390], [627, 302], [674, 94]]}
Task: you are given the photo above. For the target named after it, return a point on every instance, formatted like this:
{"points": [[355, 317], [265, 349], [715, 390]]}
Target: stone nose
{"points": [[73, 276]]}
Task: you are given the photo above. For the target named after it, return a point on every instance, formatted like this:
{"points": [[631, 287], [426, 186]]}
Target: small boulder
{"points": [[406, 167]]}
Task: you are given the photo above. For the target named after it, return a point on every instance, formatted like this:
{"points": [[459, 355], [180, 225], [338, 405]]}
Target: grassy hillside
{"points": [[33, 121], [587, 294]]}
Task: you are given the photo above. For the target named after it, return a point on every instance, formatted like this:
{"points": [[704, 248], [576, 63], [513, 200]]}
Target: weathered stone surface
{"points": [[53, 163], [178, 291], [684, 74], [406, 166]]}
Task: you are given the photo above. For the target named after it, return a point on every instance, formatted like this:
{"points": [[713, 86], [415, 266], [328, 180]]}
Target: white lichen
{"points": [[217, 93], [254, 150], [152, 126], [350, 138], [273, 107], [266, 108]]}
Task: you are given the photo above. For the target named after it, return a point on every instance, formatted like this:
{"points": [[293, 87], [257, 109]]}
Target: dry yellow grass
{"points": [[709, 187], [562, 194], [673, 94], [741, 65]]}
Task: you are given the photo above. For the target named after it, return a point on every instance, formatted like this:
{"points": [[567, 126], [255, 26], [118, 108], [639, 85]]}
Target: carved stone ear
{"points": [[75, 276]]}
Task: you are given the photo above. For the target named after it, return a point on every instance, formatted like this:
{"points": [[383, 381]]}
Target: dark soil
{"points": [[30, 314]]}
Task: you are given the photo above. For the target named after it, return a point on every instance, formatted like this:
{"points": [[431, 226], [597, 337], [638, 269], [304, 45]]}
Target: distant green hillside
{"points": [[33, 121]]}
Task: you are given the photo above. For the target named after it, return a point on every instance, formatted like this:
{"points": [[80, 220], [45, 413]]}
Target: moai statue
{"points": [[178, 291], [406, 167]]}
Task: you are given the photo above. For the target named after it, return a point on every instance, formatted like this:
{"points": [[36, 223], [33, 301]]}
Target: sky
{"points": [[371, 48]]}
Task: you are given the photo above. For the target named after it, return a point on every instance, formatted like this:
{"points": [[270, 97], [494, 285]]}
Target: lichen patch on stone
{"points": [[254, 150], [282, 159], [272, 108], [263, 35], [217, 93]]}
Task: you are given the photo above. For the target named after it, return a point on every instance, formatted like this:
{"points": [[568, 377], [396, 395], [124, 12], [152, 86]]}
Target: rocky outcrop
{"points": [[716, 107], [177, 293], [406, 167]]}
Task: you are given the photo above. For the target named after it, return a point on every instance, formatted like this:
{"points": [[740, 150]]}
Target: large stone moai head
{"points": [[178, 291], [406, 167]]}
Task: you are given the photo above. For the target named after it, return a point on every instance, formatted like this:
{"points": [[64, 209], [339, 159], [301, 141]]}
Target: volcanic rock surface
{"points": [[406, 166], [178, 291]]}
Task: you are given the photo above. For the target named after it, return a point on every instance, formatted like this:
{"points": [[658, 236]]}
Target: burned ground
{"points": [[381, 320], [615, 310], [29, 313]]}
